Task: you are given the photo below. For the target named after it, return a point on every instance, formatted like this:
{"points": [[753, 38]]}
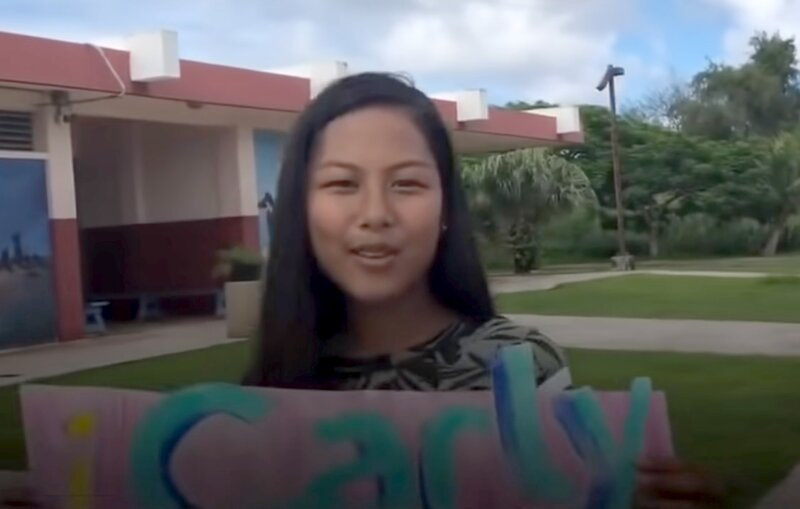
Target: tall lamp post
{"points": [[623, 260]]}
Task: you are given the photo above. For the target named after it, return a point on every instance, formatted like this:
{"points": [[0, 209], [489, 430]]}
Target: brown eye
{"points": [[408, 185], [341, 185]]}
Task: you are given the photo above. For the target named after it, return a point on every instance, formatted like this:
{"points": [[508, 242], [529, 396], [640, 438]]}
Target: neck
{"points": [[396, 325]]}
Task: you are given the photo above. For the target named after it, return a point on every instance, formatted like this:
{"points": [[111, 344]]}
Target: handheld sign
{"points": [[224, 446]]}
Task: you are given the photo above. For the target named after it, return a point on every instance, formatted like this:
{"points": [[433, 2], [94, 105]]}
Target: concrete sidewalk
{"points": [[139, 342], [737, 338], [130, 344], [536, 282]]}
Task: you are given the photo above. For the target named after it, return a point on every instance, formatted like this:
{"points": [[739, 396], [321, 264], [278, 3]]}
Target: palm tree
{"points": [[515, 193], [781, 168]]}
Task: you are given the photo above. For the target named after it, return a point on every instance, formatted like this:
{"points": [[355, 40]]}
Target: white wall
{"points": [[103, 153], [179, 172], [148, 172], [20, 100], [237, 173]]}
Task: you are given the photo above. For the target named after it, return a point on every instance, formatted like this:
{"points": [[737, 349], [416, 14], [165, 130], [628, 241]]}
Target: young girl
{"points": [[374, 280]]}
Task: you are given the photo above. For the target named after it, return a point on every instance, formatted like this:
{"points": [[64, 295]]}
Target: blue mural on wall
{"points": [[269, 150], [27, 303]]}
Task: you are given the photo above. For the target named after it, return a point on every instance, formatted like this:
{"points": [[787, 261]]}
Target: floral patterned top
{"points": [[458, 358]]}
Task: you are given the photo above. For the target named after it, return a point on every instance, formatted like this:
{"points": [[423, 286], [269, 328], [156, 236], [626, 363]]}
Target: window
{"points": [[16, 130]]}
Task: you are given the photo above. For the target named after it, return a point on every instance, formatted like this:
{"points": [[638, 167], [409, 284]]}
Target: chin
{"points": [[374, 294], [373, 297]]}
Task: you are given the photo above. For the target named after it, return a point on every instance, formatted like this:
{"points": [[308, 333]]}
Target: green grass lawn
{"points": [[784, 264], [775, 299], [739, 416], [223, 364]]}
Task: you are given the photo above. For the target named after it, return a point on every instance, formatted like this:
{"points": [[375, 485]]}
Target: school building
{"points": [[124, 173]]}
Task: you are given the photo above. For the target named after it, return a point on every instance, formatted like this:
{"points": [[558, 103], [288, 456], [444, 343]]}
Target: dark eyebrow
{"points": [[407, 163]]}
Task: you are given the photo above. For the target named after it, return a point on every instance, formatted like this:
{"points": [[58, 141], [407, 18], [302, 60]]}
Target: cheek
{"points": [[423, 225], [327, 226]]}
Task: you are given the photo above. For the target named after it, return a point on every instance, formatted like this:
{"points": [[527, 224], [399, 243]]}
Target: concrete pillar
{"points": [[130, 172], [53, 136], [237, 183]]}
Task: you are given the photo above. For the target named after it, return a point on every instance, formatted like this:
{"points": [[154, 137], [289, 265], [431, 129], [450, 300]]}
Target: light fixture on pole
{"points": [[623, 260]]}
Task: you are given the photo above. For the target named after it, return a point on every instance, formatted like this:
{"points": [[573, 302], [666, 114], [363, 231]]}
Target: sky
{"points": [[551, 50]]}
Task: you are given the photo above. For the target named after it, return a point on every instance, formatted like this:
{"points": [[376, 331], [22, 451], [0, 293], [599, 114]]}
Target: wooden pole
{"points": [[621, 245]]}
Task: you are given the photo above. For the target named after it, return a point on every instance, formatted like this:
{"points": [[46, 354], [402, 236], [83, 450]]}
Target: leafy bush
{"points": [[239, 264], [602, 244], [579, 237], [568, 229], [495, 255], [791, 241], [703, 235]]}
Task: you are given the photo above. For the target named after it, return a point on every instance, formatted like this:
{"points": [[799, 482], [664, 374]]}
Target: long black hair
{"points": [[301, 307]]}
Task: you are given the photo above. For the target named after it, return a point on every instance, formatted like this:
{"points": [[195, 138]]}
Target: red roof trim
{"points": [[448, 111], [57, 64], [507, 122]]}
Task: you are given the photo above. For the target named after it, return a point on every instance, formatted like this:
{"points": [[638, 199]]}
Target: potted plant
{"points": [[241, 269]]}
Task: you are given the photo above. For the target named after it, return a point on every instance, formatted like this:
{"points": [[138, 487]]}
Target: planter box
{"points": [[242, 306]]}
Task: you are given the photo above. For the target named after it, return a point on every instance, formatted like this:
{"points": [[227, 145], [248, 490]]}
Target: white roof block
{"points": [[154, 56], [470, 104], [320, 74], [568, 118]]}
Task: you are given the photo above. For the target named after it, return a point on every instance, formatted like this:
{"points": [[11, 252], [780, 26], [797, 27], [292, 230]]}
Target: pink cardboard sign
{"points": [[224, 446]]}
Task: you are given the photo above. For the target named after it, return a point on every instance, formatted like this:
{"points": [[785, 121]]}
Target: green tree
{"points": [[515, 193], [781, 183], [666, 173], [524, 105], [661, 106], [662, 175], [761, 97], [730, 191]]}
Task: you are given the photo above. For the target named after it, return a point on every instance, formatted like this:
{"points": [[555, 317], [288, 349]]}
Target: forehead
{"points": [[373, 134]]}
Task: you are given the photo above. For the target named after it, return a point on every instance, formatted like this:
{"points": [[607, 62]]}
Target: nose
{"points": [[376, 207]]}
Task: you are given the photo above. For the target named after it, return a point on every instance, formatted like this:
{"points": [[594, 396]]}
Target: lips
{"points": [[374, 255]]}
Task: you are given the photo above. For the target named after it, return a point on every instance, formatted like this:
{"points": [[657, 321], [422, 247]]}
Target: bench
{"points": [[149, 303], [95, 323]]}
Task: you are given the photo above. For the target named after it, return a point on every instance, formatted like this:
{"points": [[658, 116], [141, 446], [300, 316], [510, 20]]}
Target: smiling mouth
{"points": [[374, 255]]}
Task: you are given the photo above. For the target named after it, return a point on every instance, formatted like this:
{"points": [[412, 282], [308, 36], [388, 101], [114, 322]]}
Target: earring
{"points": [[444, 228]]}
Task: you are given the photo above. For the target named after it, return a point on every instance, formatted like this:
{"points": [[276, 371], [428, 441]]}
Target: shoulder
{"points": [[502, 332], [499, 332]]}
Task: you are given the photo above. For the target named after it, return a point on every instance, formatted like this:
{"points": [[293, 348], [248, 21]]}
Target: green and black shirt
{"points": [[459, 358]]}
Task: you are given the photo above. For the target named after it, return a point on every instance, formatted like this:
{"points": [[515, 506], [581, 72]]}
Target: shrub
{"points": [[495, 255], [579, 237], [702, 235], [602, 244], [239, 264], [791, 242]]}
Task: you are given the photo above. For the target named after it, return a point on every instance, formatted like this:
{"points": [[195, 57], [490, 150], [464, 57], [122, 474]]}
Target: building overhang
{"points": [[98, 83]]}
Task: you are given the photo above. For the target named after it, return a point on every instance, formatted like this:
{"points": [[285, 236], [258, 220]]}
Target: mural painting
{"points": [[27, 305], [268, 148]]}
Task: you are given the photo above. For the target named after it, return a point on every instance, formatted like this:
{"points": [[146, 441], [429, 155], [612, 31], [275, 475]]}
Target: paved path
{"points": [[576, 332], [535, 282], [759, 338], [154, 340], [134, 344]]}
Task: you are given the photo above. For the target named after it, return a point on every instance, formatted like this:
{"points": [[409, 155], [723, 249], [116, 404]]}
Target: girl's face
{"points": [[374, 204]]}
